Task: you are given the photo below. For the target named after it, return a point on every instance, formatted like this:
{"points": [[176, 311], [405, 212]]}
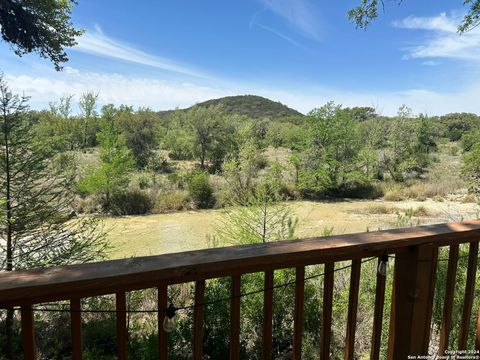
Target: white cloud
{"points": [[441, 22], [97, 43], [112, 88], [301, 15], [160, 94], [280, 35], [443, 41]]}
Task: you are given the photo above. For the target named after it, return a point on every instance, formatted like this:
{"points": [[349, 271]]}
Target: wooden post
{"points": [[121, 306], [469, 293], [162, 334], [477, 338], [267, 316], [352, 309], [198, 320], [414, 285], [298, 312], [234, 345], [76, 328], [326, 333], [28, 334], [378, 315]]}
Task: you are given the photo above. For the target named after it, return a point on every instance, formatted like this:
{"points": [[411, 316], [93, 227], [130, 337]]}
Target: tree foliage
{"points": [[43, 27], [367, 11], [111, 176]]}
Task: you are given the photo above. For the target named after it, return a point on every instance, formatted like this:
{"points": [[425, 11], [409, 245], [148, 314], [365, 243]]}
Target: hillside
{"points": [[253, 106]]}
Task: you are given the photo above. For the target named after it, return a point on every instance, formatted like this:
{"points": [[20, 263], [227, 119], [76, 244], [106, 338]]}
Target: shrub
{"points": [[131, 202], [175, 200], [143, 181], [201, 191]]}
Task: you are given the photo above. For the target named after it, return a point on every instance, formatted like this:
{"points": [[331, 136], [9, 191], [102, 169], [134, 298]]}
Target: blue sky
{"points": [[164, 54]]}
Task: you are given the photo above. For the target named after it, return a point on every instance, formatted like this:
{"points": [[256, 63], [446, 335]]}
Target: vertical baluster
{"points": [[162, 335], [76, 328], [412, 299], [468, 300], [352, 309], [267, 315], [198, 320], [378, 315], [477, 338], [121, 307], [235, 318], [326, 333], [298, 315], [448, 304], [28, 333]]}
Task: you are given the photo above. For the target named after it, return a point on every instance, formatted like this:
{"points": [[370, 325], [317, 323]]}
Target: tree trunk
{"points": [[9, 259]]}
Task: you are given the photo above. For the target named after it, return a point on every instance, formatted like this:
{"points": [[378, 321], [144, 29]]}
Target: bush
{"points": [[143, 181], [131, 202], [175, 200], [201, 191]]}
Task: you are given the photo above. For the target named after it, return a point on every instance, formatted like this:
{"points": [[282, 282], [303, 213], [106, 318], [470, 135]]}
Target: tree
{"points": [[209, 133], [334, 146], [36, 183], [43, 27], [367, 11], [138, 132], [87, 104], [111, 176], [262, 219]]}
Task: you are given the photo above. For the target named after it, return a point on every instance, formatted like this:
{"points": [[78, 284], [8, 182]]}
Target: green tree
{"points": [[209, 133], [87, 104], [36, 227], [397, 157], [262, 219], [331, 157], [43, 27], [471, 167], [201, 191], [139, 133], [240, 170], [111, 176], [367, 11]]}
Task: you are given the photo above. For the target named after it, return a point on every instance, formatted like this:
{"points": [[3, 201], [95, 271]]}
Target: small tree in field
{"points": [[36, 192], [263, 219], [110, 177]]}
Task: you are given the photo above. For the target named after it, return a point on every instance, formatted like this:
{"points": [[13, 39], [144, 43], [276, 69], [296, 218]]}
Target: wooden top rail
{"points": [[65, 282]]}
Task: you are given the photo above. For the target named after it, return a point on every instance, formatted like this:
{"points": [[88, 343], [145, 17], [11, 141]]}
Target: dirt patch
{"points": [[167, 233]]}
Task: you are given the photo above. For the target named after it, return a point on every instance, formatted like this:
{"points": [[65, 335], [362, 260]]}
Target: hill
{"points": [[253, 106]]}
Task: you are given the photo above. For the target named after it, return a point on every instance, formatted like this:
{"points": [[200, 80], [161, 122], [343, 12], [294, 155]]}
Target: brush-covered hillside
{"points": [[252, 106]]}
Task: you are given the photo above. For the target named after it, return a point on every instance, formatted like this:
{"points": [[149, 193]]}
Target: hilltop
{"points": [[253, 106]]}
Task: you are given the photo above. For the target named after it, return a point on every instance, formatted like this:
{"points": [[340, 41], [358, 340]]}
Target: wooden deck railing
{"points": [[415, 250]]}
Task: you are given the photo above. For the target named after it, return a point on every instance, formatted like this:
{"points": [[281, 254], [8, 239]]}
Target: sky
{"points": [[303, 53]]}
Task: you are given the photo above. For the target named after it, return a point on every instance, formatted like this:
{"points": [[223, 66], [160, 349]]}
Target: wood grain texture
{"points": [[469, 293], [352, 310], [65, 282], [326, 331], [410, 317]]}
